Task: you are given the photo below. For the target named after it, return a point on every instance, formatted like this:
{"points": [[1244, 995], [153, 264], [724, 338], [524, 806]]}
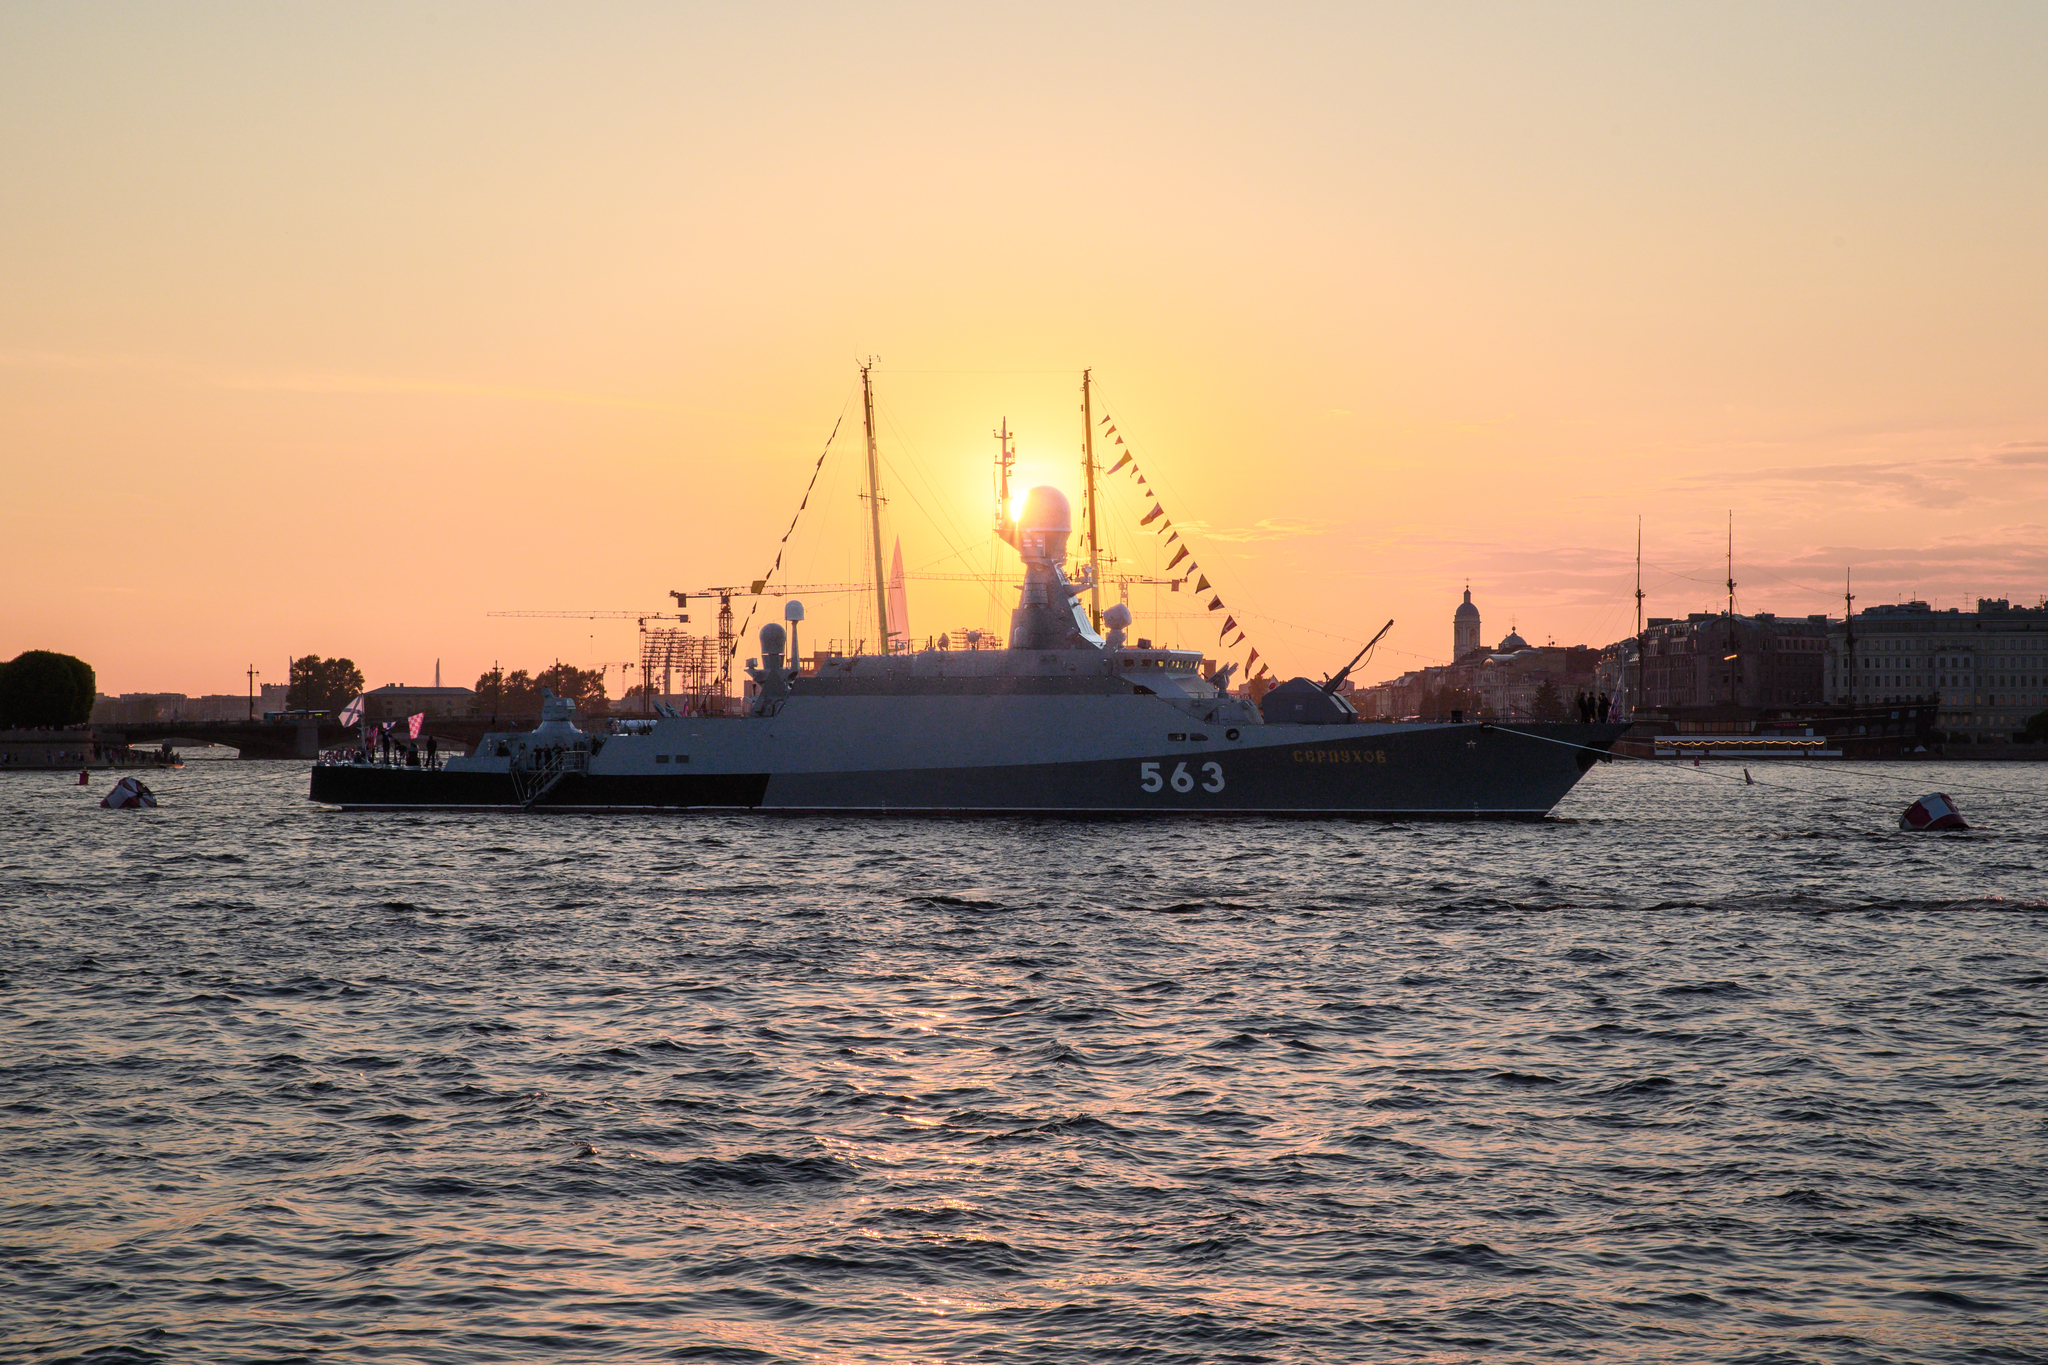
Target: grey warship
{"points": [[1067, 720]]}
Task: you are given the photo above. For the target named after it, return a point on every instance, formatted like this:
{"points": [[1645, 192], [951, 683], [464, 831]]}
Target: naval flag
{"points": [[352, 713], [413, 724]]}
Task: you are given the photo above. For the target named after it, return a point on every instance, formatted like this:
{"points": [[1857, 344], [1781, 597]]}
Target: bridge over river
{"points": [[294, 739]]}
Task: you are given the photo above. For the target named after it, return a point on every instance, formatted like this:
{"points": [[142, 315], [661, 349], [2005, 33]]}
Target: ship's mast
{"points": [[1731, 563], [1006, 460], [1088, 483], [867, 400], [1848, 636], [1636, 702]]}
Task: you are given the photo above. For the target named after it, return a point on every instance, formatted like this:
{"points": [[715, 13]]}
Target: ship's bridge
{"points": [[1139, 662], [1162, 672]]}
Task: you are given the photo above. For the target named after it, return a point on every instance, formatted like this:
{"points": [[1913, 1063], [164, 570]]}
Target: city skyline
{"points": [[334, 334]]}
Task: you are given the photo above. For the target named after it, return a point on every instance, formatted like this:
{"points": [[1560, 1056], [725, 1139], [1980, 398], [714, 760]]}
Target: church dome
{"points": [[1466, 611], [1512, 643]]}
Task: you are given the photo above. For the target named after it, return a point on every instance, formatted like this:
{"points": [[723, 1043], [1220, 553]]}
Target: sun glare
{"points": [[1031, 473]]}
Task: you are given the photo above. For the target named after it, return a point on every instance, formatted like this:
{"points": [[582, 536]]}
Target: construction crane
{"points": [[759, 587], [666, 650], [581, 615]]}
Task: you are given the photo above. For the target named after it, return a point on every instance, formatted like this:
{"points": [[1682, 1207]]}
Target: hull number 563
{"points": [[1180, 779]]}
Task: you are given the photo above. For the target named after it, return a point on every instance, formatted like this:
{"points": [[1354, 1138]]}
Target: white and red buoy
{"points": [[1933, 811], [129, 794]]}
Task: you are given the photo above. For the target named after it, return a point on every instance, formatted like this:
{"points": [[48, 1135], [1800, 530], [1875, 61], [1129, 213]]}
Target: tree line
{"points": [[329, 684], [499, 693]]}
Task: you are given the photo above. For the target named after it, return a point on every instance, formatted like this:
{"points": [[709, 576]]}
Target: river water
{"points": [[1696, 1071]]}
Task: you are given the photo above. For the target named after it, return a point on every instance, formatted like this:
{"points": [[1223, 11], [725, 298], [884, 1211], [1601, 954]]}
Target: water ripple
{"points": [[1695, 1072]]}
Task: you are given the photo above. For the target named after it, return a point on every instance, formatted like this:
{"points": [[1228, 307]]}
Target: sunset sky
{"points": [[334, 330]]}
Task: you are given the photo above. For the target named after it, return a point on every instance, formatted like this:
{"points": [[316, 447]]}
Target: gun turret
{"points": [[1330, 687]]}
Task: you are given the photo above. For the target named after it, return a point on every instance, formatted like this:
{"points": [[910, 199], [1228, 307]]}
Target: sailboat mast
{"points": [[1088, 483], [867, 400]]}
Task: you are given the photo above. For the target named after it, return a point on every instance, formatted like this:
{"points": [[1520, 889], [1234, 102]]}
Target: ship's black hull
{"points": [[1464, 772]]}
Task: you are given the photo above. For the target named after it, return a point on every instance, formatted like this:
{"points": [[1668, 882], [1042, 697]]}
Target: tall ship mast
{"points": [[874, 497], [1088, 480]]}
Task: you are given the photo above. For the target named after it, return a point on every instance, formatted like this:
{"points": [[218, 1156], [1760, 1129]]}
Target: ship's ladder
{"points": [[530, 785]]}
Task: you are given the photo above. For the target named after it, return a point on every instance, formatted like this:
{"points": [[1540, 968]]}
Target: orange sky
{"points": [[334, 331]]}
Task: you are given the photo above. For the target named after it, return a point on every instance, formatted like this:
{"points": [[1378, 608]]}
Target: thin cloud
{"points": [[322, 382], [1935, 481], [1266, 528], [2021, 453], [382, 384]]}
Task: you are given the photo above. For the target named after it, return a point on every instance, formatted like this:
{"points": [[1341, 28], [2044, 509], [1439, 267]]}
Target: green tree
{"points": [[2037, 728], [1547, 704], [323, 684], [586, 685], [499, 693], [40, 688]]}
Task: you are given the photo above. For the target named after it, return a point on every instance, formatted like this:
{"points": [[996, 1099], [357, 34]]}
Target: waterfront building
{"points": [[396, 701], [144, 708], [1392, 699], [1615, 677], [136, 708], [1501, 683], [1984, 671], [1717, 659]]}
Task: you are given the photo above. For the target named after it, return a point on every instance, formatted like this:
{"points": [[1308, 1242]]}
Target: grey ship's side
{"points": [[1065, 720]]}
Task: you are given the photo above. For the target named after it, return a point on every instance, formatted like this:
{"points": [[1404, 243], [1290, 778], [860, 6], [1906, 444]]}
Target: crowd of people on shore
{"points": [[48, 758], [86, 752]]}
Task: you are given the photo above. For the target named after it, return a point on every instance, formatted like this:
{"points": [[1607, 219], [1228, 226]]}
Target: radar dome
{"points": [[773, 637], [1046, 509], [1117, 617]]}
